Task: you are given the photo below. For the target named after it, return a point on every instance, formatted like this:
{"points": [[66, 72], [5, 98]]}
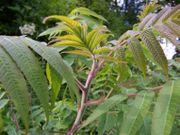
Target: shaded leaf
{"points": [[30, 67], [55, 60], [138, 54], [15, 85]]}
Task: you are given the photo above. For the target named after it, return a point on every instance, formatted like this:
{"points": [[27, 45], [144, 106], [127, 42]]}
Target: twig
{"points": [[80, 85], [103, 99], [92, 73], [95, 102], [84, 96], [15, 120]]}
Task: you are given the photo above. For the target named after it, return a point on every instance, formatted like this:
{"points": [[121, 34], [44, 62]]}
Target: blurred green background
{"points": [[121, 14]]}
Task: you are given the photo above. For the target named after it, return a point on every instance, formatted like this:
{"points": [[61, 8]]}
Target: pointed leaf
{"points": [[135, 116], [30, 67], [15, 85], [69, 38], [102, 50], [103, 108], [55, 81], [98, 40], [79, 52], [52, 31], [55, 60], [165, 108], [138, 54], [74, 25], [154, 47], [86, 11]]}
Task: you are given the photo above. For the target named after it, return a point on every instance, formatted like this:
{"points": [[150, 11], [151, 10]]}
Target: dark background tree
{"points": [[121, 14]]}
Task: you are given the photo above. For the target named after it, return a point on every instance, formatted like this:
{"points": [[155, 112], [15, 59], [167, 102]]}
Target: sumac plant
{"points": [[115, 65]]}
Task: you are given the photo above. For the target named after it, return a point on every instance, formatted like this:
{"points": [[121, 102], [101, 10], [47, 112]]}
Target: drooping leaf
{"points": [[169, 12], [55, 81], [86, 11], [55, 60], [30, 67], [138, 54], [72, 24], [135, 116], [92, 22], [155, 49], [15, 85], [52, 31], [121, 68], [168, 33], [165, 108], [145, 21], [103, 108]]}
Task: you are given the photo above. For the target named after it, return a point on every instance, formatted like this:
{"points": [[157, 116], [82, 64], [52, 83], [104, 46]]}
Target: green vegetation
{"points": [[84, 81]]}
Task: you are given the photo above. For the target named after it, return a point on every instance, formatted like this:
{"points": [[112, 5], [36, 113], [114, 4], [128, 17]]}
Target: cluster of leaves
{"points": [[19, 62], [133, 107]]}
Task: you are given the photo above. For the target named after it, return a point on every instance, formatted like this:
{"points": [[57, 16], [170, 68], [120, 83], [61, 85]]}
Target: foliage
{"points": [[16, 13], [16, 57], [107, 76]]}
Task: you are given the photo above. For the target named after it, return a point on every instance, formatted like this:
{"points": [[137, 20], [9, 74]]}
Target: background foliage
{"points": [[16, 13]]}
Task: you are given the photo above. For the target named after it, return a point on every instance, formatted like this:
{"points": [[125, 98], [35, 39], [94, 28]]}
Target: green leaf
{"points": [[75, 26], [165, 108], [70, 44], [138, 54], [3, 102], [135, 116], [90, 21], [55, 81], [15, 85], [103, 108], [86, 11], [69, 38], [79, 52], [154, 47], [98, 39], [30, 67], [102, 50], [101, 124], [55, 60], [121, 68], [52, 31]]}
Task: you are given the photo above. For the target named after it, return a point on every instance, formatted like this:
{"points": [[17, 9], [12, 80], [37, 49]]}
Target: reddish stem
{"points": [[84, 90]]}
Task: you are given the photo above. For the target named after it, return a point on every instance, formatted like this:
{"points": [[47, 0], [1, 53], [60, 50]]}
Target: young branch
{"points": [[92, 73], [84, 96]]}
